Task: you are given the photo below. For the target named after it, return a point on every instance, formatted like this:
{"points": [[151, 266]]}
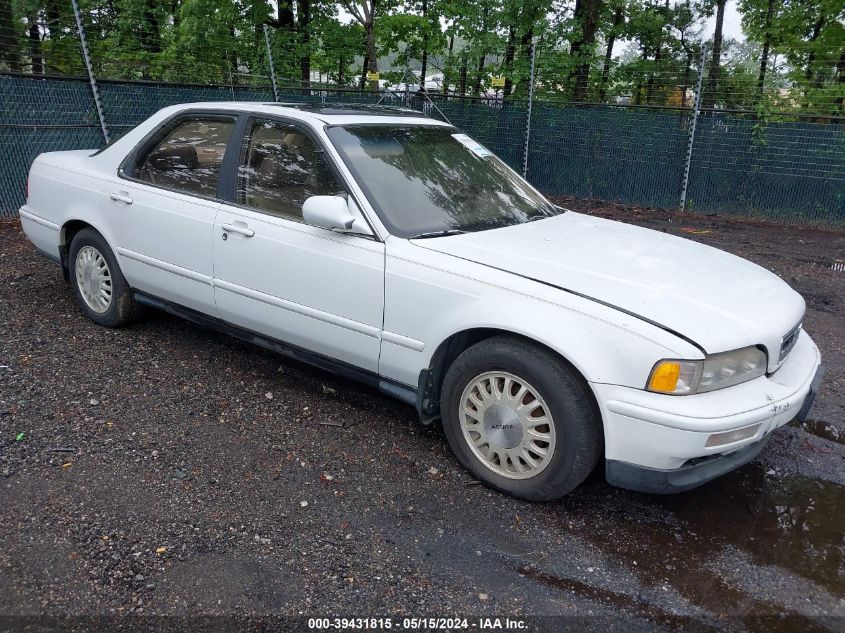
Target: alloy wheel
{"points": [[507, 425]]}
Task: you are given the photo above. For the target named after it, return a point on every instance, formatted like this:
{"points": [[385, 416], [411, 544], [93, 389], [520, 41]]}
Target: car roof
{"points": [[331, 113]]}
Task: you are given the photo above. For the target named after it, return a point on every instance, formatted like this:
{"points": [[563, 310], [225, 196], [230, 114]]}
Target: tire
{"points": [[556, 406], [94, 275]]}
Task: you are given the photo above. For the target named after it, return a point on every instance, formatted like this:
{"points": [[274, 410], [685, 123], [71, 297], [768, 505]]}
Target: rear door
{"points": [[166, 200], [274, 274]]}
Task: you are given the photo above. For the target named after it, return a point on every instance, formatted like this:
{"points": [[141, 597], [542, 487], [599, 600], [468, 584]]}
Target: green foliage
{"points": [[335, 49], [614, 51]]}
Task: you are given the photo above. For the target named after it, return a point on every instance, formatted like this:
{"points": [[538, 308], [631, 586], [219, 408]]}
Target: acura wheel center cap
{"points": [[90, 280], [502, 426]]}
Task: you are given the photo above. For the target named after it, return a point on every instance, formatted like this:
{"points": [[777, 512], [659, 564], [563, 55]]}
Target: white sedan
{"points": [[395, 250]]}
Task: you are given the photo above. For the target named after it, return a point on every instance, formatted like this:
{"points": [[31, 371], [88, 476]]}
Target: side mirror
{"points": [[328, 212]]}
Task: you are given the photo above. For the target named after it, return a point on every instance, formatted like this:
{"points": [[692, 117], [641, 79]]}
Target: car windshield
{"points": [[431, 180]]}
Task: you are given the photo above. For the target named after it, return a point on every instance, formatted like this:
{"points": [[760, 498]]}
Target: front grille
{"points": [[788, 342]]}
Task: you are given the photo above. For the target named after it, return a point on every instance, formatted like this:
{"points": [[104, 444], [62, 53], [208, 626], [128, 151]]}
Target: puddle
{"points": [[791, 523], [824, 430], [757, 617], [639, 606]]}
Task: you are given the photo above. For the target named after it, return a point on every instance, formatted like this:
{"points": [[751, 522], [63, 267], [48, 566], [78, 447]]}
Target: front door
{"points": [[274, 274]]}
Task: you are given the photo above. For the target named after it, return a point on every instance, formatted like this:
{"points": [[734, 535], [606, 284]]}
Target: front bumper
{"points": [[658, 443], [690, 475]]}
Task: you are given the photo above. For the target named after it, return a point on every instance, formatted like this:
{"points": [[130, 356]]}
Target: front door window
{"points": [[280, 168]]}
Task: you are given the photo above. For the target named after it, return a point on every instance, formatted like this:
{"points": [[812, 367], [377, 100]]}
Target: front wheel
{"points": [[100, 288], [521, 419]]}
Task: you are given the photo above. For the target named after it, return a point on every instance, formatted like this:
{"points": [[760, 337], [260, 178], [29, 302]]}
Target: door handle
{"points": [[120, 197], [241, 230]]}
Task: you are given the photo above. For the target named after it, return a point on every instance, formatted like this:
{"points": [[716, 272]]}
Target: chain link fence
{"points": [[667, 135]]}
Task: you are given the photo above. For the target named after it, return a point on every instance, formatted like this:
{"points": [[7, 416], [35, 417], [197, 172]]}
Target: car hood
{"points": [[715, 299]]}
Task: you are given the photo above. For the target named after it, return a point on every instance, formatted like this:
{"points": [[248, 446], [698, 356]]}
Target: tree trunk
{"points": [[260, 60], [462, 77], [175, 6], [285, 15], [811, 58], [767, 42], [638, 90], [509, 55], [35, 47], [687, 72], [526, 44], [53, 11], [709, 100], [362, 84], [233, 59], [485, 11], [658, 54], [372, 58], [424, 55], [152, 38], [587, 13], [445, 87], [649, 87], [424, 64], [478, 74], [608, 54], [304, 11], [54, 16]]}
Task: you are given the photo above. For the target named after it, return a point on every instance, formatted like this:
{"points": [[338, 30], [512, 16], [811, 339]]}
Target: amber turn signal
{"points": [[665, 376]]}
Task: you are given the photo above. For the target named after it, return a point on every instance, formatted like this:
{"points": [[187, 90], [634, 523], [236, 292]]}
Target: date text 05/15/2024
{"points": [[414, 624]]}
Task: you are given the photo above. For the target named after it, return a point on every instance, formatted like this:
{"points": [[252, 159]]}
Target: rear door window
{"points": [[189, 156]]}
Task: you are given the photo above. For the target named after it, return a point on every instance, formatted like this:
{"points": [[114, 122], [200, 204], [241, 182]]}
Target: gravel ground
{"points": [[163, 469]]}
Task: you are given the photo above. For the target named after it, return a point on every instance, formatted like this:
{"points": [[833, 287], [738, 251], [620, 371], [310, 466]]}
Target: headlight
{"points": [[717, 371]]}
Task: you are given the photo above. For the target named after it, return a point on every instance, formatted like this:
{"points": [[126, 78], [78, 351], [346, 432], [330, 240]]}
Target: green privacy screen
{"points": [[785, 171]]}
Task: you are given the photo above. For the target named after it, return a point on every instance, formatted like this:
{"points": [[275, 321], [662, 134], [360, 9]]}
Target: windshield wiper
{"points": [[442, 233], [535, 218]]}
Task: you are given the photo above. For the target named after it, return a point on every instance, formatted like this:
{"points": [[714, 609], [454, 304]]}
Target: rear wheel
{"points": [[521, 419], [98, 285]]}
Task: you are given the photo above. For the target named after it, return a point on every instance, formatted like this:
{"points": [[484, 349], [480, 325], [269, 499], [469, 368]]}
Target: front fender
{"points": [[427, 303]]}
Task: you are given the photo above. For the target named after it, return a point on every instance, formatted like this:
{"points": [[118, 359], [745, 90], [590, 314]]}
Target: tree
{"points": [[615, 30], [412, 31], [586, 17], [794, 58], [477, 26], [425, 44], [648, 25], [810, 35], [758, 20], [523, 19], [303, 21], [685, 22], [709, 97], [364, 11], [767, 42], [334, 53]]}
